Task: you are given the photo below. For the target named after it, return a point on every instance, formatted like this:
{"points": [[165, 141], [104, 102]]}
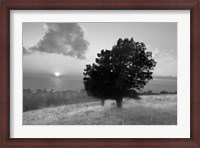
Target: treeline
{"points": [[43, 98], [149, 92]]}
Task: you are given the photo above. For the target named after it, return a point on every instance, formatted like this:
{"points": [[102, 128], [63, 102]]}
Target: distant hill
{"points": [[160, 83], [165, 77]]}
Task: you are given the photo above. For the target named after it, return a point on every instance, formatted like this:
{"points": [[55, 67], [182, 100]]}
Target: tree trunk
{"points": [[119, 102], [102, 102]]}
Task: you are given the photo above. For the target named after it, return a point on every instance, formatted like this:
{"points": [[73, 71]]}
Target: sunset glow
{"points": [[57, 74]]}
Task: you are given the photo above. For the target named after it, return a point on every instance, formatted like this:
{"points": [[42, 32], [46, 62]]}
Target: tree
{"points": [[163, 92], [149, 92], [119, 72]]}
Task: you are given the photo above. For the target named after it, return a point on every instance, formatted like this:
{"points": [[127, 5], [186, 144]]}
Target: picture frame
{"points": [[192, 5]]}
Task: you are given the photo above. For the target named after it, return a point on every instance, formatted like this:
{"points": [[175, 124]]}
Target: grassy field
{"points": [[149, 110], [41, 99]]}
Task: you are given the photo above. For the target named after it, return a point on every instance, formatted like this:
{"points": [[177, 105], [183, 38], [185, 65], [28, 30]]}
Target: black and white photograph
{"points": [[99, 73]]}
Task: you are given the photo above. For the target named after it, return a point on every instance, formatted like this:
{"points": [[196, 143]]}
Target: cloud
{"points": [[160, 54], [62, 38], [25, 51]]}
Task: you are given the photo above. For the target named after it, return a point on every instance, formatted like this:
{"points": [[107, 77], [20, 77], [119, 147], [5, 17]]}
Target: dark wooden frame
{"points": [[192, 5]]}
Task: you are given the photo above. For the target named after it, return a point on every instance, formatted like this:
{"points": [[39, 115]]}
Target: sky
{"points": [[66, 48]]}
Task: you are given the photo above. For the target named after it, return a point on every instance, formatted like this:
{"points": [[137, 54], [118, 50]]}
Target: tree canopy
{"points": [[119, 72]]}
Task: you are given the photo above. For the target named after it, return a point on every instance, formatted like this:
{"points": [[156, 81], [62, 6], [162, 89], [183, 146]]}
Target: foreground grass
{"points": [[150, 110]]}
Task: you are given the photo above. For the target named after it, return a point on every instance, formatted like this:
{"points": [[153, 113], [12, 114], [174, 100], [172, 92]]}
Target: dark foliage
{"points": [[119, 72], [163, 92]]}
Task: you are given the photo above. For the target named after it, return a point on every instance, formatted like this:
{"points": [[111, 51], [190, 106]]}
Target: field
{"points": [[149, 110], [43, 98]]}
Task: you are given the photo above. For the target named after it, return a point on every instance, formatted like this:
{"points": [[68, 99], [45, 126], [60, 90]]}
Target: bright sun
{"points": [[57, 74]]}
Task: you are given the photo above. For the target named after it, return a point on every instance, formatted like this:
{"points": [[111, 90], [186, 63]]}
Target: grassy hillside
{"points": [[149, 110], [43, 98]]}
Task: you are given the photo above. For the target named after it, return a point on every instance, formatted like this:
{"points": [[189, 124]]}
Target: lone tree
{"points": [[120, 72]]}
